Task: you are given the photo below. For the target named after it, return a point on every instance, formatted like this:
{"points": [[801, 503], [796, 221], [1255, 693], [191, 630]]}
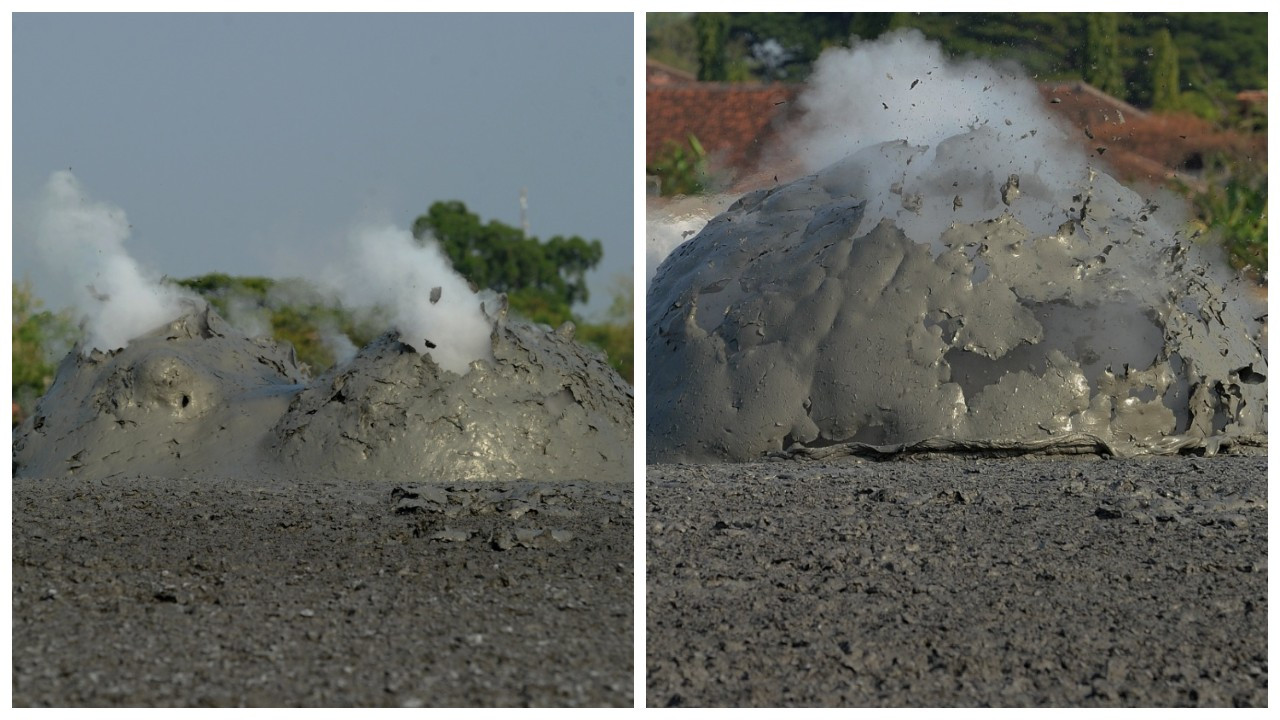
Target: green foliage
{"points": [[1102, 53], [540, 279], [712, 30], [616, 335], [40, 338], [221, 286], [288, 310], [681, 170], [538, 306], [1217, 54], [797, 39], [1165, 92], [1235, 205], [670, 39]]}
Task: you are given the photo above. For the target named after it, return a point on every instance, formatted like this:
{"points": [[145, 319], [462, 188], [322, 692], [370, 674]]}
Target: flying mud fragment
{"points": [[196, 398], [959, 296]]}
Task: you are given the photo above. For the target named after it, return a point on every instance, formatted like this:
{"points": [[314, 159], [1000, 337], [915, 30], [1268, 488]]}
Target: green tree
{"points": [[542, 280], [291, 310], [1165, 92], [1219, 54], [670, 38], [712, 30], [616, 334], [1102, 53], [40, 338]]}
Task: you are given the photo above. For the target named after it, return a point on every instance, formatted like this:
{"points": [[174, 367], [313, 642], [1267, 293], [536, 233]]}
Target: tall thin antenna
{"points": [[524, 211]]}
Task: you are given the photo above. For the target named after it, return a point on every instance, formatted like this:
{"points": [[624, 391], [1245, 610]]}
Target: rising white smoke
{"points": [[81, 241], [903, 88], [981, 125], [428, 302], [669, 223]]}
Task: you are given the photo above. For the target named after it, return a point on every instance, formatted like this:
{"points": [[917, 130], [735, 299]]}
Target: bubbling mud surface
{"points": [[882, 305], [196, 398]]}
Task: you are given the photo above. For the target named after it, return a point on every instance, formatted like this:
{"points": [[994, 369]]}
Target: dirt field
{"points": [[971, 582], [177, 592]]}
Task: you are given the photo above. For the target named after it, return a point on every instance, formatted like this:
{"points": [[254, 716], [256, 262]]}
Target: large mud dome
{"points": [[977, 286], [802, 316], [197, 398]]}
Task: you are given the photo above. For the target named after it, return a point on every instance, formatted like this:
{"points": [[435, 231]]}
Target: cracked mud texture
{"points": [[149, 591], [863, 305], [952, 581], [197, 398]]}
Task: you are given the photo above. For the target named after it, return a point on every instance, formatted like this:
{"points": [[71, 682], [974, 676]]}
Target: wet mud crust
{"points": [[202, 592], [958, 582]]}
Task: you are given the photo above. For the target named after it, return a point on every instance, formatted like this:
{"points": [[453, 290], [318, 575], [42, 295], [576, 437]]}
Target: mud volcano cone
{"points": [[193, 396], [913, 297], [197, 398], [545, 408]]}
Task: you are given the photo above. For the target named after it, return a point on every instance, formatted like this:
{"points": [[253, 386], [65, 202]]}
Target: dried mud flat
{"points": [[958, 582], [182, 592]]}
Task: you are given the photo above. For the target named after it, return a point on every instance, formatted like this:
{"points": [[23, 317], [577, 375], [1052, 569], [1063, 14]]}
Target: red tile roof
{"points": [[733, 122], [657, 73], [736, 122], [1142, 146]]}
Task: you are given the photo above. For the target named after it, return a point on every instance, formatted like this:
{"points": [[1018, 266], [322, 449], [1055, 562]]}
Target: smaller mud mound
{"points": [[191, 397], [545, 408]]}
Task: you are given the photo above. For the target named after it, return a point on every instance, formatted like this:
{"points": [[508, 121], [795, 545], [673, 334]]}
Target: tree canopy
{"points": [[542, 280], [290, 310], [1218, 54], [40, 338]]}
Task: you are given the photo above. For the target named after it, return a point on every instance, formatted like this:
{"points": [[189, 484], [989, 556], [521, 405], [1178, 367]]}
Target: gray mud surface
{"points": [[868, 304], [959, 582], [197, 398], [146, 591]]}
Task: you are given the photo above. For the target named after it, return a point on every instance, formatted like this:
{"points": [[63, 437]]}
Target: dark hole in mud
{"points": [[1225, 394], [1250, 376], [186, 400], [1097, 337]]}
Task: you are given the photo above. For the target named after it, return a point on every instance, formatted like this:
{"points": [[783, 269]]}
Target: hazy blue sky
{"points": [[251, 144]]}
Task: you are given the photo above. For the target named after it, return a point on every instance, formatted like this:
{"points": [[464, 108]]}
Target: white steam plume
{"points": [[82, 243], [668, 224], [980, 123], [427, 300], [903, 87]]}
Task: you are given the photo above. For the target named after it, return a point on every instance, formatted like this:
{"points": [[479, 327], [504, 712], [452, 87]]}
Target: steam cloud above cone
{"points": [[82, 242]]}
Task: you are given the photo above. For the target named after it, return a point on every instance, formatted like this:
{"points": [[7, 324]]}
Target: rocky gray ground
{"points": [[959, 581], [164, 591]]}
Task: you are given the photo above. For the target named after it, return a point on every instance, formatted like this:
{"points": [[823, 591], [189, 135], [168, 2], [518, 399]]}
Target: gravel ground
{"points": [[179, 592], [961, 581]]}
